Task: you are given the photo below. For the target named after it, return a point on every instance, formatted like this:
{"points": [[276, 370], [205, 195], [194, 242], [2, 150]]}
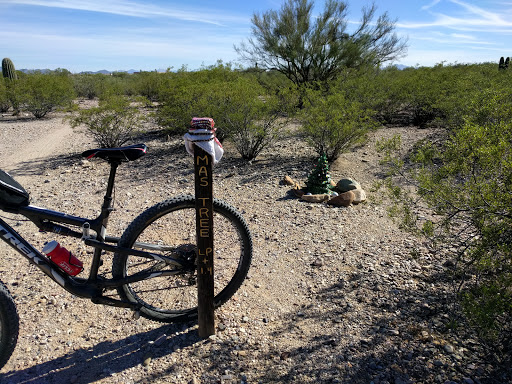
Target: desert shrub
{"points": [[111, 85], [421, 89], [243, 109], [180, 101], [42, 93], [147, 84], [471, 193], [464, 178], [441, 95], [111, 124], [184, 95], [249, 117], [332, 123], [86, 85], [4, 98]]}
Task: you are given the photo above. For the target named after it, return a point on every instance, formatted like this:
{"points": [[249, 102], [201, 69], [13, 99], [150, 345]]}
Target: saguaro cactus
{"points": [[501, 65], [8, 70], [507, 61]]}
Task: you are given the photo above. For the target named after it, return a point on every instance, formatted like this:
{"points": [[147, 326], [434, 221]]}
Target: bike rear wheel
{"points": [[9, 325], [169, 228]]}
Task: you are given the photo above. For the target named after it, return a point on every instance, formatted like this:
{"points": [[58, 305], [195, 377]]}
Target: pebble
{"points": [[383, 289], [318, 262], [449, 348], [146, 361], [221, 327]]}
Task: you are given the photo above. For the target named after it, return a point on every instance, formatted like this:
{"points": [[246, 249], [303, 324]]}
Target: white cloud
{"points": [[469, 18], [120, 51], [454, 39], [464, 37], [428, 6], [137, 9]]}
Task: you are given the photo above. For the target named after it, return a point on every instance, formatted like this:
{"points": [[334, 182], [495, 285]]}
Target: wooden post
{"points": [[204, 230]]}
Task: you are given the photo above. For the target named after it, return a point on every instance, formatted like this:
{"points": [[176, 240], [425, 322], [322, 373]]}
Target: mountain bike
{"points": [[154, 261]]}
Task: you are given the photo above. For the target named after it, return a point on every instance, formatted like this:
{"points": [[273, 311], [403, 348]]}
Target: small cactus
{"points": [[8, 70]]}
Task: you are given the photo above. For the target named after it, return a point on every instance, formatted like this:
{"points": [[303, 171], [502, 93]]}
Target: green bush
{"points": [[464, 178], [184, 95], [111, 85], [147, 84], [468, 185], [241, 106], [43, 93], [441, 95], [332, 123], [180, 101], [5, 104], [86, 85], [113, 123], [251, 119]]}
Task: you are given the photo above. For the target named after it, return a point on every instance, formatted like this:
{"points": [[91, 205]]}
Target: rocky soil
{"points": [[334, 295]]}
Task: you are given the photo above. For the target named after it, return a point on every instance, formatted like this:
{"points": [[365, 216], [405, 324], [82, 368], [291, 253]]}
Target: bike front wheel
{"points": [[169, 229], [9, 325]]}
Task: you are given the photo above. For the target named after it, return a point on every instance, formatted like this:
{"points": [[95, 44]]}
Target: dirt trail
{"points": [[334, 295], [20, 148]]}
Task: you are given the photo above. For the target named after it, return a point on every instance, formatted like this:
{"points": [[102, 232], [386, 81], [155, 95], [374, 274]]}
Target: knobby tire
{"points": [[172, 223]]}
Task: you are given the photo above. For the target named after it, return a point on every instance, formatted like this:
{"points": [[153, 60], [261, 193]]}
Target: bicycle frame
{"points": [[92, 287]]}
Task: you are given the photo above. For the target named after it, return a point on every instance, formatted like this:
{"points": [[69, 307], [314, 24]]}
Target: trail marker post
{"points": [[204, 234], [206, 149]]}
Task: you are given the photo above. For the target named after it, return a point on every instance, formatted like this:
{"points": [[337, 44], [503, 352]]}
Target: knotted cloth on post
{"points": [[202, 134]]}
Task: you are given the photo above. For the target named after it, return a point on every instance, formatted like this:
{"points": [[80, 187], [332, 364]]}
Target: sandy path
{"points": [[28, 145]]}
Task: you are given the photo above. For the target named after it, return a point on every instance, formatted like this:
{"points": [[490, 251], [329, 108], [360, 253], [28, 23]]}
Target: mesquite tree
{"points": [[310, 48]]}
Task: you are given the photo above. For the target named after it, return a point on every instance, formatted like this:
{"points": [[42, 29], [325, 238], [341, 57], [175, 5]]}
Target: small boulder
{"points": [[342, 200], [288, 181], [345, 185], [315, 198], [359, 195]]}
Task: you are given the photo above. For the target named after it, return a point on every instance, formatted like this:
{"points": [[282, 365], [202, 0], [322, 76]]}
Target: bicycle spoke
{"points": [[169, 229]]}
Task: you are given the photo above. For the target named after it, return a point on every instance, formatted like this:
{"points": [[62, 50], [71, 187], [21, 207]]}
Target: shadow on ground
{"points": [[108, 358], [402, 340]]}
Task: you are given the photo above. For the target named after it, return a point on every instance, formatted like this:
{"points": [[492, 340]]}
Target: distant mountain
{"points": [[35, 70], [103, 71]]}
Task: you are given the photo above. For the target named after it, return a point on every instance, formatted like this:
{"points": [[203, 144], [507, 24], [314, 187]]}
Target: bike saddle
{"points": [[128, 153], [12, 194]]}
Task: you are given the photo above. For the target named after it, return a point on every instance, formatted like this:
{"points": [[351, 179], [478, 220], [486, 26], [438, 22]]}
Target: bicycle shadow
{"points": [[108, 358], [37, 167]]}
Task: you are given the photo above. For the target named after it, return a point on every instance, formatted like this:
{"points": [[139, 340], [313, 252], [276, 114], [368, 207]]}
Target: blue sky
{"points": [[82, 35]]}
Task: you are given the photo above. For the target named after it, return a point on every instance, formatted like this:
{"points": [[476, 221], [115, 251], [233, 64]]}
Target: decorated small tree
{"points": [[319, 180]]}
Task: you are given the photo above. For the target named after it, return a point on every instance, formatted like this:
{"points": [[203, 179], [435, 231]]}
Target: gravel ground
{"points": [[334, 295]]}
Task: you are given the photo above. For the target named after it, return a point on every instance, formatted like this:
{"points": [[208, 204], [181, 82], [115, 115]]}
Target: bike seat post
{"points": [[105, 212], [111, 178], [107, 201]]}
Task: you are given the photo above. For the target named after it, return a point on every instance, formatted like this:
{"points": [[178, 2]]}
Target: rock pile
{"points": [[345, 193]]}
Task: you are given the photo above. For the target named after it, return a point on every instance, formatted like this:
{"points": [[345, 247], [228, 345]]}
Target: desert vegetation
{"points": [[462, 177]]}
